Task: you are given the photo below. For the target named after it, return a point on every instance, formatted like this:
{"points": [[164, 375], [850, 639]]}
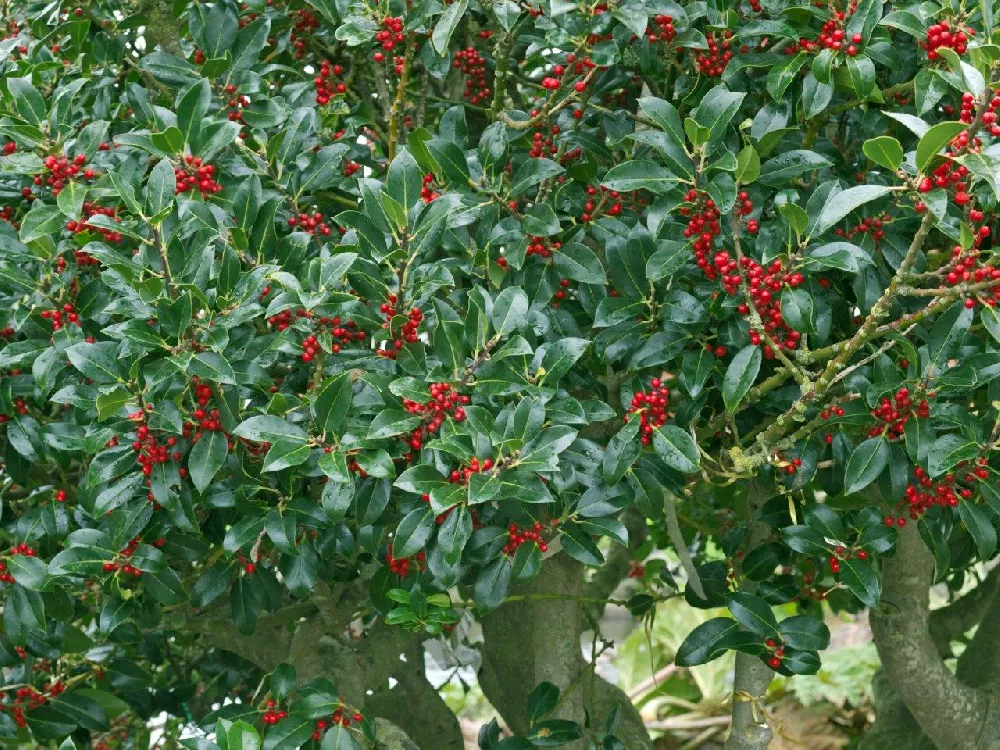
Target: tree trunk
{"points": [[951, 713], [527, 642]]}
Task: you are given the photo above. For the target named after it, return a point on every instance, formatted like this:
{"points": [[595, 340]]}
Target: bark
{"points": [[750, 730], [532, 641], [310, 637], [951, 713]]}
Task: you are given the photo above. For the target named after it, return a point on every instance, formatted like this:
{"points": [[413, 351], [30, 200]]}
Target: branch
{"points": [[396, 112], [947, 623], [946, 709], [677, 539], [816, 391]]}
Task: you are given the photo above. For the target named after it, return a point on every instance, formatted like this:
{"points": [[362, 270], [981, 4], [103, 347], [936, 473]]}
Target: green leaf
{"points": [[290, 733], [639, 175], [447, 24], [861, 72], [846, 201], [269, 429], [804, 632], [160, 188], [97, 361], [706, 642], [542, 700], [332, 403], [28, 101], [339, 738], [797, 309], [934, 140], [413, 532], [212, 366], [716, 109], [861, 579], [622, 451], [805, 540], [740, 376], [392, 422], [949, 450], [510, 309], [884, 151], [492, 585], [753, 613], [30, 572], [747, 166], [676, 448], [866, 464], [977, 520], [206, 458], [282, 680]]}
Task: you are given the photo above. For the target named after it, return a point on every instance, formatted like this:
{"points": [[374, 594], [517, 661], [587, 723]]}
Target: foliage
{"points": [[416, 296]]}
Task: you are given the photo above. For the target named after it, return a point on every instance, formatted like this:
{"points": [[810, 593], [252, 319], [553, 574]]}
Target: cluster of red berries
{"points": [[343, 334], [20, 549], [196, 176], [310, 223], [925, 493], [549, 83], [790, 465], [444, 401], [831, 36], [532, 535], [27, 698], [473, 67], [949, 176], [271, 716], [539, 246], [60, 496], [127, 568], [407, 334], [765, 282], [283, 319], [56, 316], [351, 168], [542, 144], [713, 62], [968, 112], [833, 411], [9, 148], [310, 348], [651, 406], [840, 553], [61, 170], [662, 29], [19, 406], [777, 653], [342, 716], [147, 445], [78, 227], [7, 213], [427, 193], [401, 566], [873, 226], [475, 466], [235, 104], [305, 24], [703, 225], [560, 294], [943, 34], [325, 90], [390, 35], [965, 268], [589, 208], [893, 413]]}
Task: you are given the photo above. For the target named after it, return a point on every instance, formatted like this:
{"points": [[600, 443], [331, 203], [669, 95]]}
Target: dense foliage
{"points": [[409, 299]]}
